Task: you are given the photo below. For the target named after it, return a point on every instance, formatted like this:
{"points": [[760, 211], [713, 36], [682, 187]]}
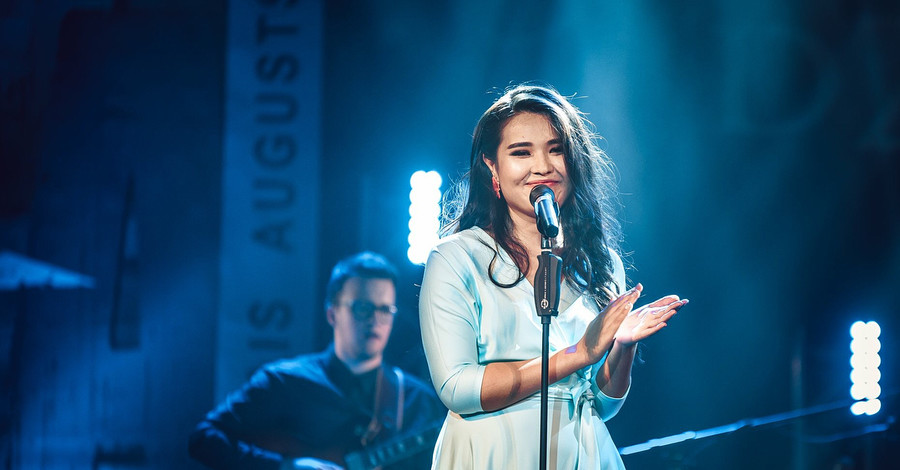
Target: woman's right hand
{"points": [[601, 332]]}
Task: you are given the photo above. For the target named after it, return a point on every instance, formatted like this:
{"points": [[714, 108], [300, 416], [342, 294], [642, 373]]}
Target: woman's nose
{"points": [[542, 163]]}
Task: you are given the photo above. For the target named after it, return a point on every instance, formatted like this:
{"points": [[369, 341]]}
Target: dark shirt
{"points": [[313, 406]]}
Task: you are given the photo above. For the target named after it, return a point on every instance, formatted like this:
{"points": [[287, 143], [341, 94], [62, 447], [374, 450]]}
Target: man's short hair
{"points": [[366, 265]]}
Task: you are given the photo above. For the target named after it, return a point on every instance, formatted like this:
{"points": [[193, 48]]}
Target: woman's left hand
{"points": [[644, 321]]}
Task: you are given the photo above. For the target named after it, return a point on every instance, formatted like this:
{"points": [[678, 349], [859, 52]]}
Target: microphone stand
{"points": [[546, 299]]}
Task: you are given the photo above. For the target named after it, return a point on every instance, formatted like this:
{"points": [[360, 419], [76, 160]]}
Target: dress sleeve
{"points": [[217, 440], [607, 406], [448, 310]]}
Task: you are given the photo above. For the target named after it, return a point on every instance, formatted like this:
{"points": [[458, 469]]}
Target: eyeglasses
{"points": [[363, 310]]}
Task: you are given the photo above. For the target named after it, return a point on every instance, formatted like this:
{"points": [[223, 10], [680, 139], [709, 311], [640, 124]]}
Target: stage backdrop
{"points": [[270, 185]]}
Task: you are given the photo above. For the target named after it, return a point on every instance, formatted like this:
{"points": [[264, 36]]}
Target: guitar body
{"points": [[393, 453], [291, 447]]}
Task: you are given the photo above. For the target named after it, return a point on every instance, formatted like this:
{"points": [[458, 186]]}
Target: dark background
{"points": [[758, 151]]}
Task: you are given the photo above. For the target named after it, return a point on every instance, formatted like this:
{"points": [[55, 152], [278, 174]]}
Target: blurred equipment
{"points": [[18, 271]]}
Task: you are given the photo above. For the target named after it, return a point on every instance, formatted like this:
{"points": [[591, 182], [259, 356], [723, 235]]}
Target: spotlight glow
{"points": [[857, 329], [868, 407], [424, 214], [874, 406], [874, 329], [857, 391], [864, 363]]}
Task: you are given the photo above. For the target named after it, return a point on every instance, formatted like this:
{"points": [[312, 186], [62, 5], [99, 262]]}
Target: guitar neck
{"points": [[394, 450]]}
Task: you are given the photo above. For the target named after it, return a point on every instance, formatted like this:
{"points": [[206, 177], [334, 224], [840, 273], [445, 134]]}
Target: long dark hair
{"points": [[587, 215]]}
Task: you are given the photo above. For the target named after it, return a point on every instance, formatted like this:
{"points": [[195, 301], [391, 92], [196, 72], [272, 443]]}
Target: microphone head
{"points": [[545, 210], [541, 190]]}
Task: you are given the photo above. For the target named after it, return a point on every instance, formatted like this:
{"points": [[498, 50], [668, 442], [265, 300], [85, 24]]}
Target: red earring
{"points": [[496, 185]]}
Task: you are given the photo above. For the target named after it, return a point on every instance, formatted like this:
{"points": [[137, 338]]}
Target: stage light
{"points": [[424, 214], [869, 407], [864, 364], [874, 406], [857, 329], [858, 361], [874, 328]]}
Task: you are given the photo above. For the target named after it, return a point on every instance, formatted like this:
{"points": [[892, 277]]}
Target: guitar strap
{"points": [[383, 387], [401, 396], [375, 424]]}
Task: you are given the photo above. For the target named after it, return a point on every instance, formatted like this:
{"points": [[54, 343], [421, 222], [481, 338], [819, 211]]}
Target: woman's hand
{"points": [[647, 320], [600, 333]]}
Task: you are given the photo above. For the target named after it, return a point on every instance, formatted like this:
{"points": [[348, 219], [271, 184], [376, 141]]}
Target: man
{"points": [[340, 407]]}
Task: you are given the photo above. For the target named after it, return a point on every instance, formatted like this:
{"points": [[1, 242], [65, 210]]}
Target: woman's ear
{"points": [[491, 165]]}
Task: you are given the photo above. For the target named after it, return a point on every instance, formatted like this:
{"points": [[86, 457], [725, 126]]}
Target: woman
{"points": [[481, 334]]}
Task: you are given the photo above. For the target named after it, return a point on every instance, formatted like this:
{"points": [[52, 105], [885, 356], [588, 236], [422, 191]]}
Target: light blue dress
{"points": [[468, 322]]}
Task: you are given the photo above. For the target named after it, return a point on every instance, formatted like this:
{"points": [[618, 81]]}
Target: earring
{"points": [[496, 185]]}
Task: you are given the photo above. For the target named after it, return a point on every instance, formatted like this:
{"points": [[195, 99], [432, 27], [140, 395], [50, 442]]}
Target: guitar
{"points": [[395, 449], [372, 457]]}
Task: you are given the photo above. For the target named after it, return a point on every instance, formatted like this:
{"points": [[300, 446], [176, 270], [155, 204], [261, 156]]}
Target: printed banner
{"points": [[270, 185]]}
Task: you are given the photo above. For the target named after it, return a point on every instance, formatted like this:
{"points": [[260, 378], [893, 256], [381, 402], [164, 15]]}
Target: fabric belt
{"points": [[580, 399]]}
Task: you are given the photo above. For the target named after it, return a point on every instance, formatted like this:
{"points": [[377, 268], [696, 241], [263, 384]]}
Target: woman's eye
{"points": [[556, 150], [519, 153]]}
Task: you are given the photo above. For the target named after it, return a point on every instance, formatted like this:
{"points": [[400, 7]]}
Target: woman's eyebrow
{"points": [[519, 144]]}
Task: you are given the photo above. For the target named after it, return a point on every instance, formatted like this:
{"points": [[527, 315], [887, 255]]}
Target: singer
{"points": [[481, 333]]}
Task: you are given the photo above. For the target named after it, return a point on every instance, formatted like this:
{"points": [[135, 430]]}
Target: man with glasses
{"points": [[338, 408]]}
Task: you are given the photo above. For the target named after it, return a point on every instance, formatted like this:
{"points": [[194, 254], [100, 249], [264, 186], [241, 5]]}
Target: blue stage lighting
{"points": [[864, 364], [424, 214]]}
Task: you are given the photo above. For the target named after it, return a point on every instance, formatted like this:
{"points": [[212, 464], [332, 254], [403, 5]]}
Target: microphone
{"points": [[546, 210]]}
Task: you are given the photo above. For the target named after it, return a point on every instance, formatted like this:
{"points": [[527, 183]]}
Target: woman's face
{"points": [[530, 153]]}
